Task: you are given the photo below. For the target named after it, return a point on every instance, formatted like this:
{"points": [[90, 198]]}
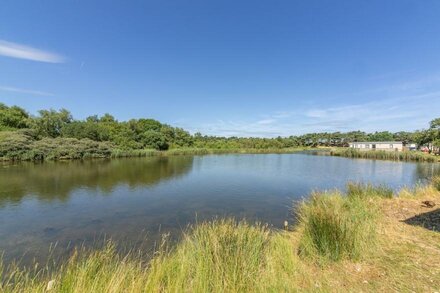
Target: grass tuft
{"points": [[336, 227], [218, 256], [367, 190]]}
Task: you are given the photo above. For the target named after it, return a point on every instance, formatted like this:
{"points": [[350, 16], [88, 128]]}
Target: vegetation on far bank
{"points": [[55, 135], [385, 155], [361, 241]]}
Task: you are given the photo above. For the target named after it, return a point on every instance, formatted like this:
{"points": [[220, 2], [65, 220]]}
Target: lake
{"points": [[129, 200]]}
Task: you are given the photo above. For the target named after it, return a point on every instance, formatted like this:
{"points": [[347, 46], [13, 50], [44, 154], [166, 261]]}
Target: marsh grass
{"points": [[368, 190], [219, 256], [336, 227], [384, 155]]}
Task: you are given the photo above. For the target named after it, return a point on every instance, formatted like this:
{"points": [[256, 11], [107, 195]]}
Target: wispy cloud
{"points": [[15, 50], [405, 105], [266, 121], [400, 113], [24, 91]]}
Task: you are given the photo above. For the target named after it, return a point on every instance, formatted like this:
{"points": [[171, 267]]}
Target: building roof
{"points": [[377, 142]]}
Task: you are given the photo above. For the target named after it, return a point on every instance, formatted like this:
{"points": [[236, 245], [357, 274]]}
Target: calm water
{"points": [[72, 203]]}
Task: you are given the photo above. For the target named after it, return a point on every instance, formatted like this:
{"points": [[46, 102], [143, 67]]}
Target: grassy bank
{"points": [[362, 241], [203, 151], [385, 155], [78, 151]]}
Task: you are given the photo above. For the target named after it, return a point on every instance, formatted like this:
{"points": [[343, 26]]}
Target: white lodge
{"points": [[378, 145]]}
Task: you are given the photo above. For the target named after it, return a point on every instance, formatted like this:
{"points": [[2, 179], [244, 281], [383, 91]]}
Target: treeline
{"points": [[53, 134]]}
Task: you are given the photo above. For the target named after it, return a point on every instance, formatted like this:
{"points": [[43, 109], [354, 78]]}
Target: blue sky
{"points": [[247, 68]]}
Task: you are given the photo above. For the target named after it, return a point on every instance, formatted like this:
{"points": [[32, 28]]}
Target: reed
{"points": [[366, 190], [384, 155]]}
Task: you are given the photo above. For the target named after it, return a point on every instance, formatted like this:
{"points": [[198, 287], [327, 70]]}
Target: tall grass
{"points": [[336, 227], [366, 190], [221, 256], [218, 256], [384, 155]]}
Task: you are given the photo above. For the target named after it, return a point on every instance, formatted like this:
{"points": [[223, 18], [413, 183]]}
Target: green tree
{"points": [[13, 117], [154, 140], [381, 136], [435, 124], [50, 122]]}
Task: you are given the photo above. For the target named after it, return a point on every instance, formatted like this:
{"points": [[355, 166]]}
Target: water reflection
{"points": [[424, 171], [56, 180]]}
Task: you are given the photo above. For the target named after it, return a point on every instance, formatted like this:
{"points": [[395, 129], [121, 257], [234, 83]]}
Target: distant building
{"points": [[378, 145], [411, 146]]}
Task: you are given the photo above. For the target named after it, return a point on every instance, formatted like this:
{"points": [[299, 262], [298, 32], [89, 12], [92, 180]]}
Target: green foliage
{"points": [[151, 139], [381, 136], [21, 145], [336, 227], [435, 124], [86, 129], [69, 148], [51, 122], [13, 117], [14, 144]]}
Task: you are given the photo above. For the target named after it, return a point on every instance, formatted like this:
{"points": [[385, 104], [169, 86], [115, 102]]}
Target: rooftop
{"points": [[377, 142]]}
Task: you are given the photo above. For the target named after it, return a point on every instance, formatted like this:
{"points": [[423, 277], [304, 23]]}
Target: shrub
{"points": [[70, 148], [14, 144], [336, 227], [21, 145]]}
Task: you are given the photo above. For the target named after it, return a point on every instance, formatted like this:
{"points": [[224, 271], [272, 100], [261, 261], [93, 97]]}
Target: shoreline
{"points": [[115, 154], [404, 156]]}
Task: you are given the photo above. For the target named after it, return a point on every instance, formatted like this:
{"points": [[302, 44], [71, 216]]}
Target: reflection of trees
{"points": [[56, 180], [427, 170]]}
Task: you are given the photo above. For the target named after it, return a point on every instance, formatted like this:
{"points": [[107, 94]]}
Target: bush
{"points": [[69, 148], [336, 227], [14, 144], [22, 145], [153, 140]]}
